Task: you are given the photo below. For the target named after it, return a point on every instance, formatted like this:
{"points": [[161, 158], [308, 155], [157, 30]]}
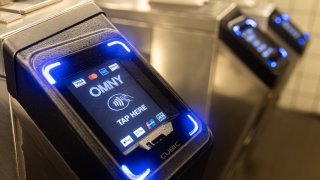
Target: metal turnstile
{"points": [[184, 44], [176, 38], [25, 152]]}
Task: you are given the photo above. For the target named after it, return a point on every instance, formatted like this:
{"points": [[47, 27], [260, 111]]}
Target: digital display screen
{"points": [[247, 30], [257, 42], [284, 21], [116, 101]]}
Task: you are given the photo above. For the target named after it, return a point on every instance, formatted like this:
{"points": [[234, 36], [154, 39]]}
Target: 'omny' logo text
{"points": [[107, 85]]}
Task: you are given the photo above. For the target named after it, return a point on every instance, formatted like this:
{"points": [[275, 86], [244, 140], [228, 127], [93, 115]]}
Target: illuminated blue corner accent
{"points": [[277, 20], [306, 36], [46, 72], [130, 175], [119, 43], [301, 41], [272, 64], [236, 30], [285, 17], [251, 23], [283, 52], [196, 126]]}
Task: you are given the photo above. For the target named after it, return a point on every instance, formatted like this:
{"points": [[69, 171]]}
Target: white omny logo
{"points": [[79, 82], [126, 141], [118, 102]]}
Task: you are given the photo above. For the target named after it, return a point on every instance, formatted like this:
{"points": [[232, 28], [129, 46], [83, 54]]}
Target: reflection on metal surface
{"points": [[238, 98], [24, 7], [4, 2], [182, 52], [7, 17], [9, 167], [32, 18], [141, 5], [42, 161], [181, 2]]}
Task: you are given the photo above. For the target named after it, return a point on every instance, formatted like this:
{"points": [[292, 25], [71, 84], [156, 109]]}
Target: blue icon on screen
{"points": [[103, 71], [151, 123], [161, 116]]}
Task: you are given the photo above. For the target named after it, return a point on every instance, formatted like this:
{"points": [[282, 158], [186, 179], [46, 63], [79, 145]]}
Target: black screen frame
{"points": [[77, 63]]}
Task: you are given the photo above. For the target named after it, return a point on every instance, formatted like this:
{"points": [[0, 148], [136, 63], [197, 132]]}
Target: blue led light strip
{"points": [[251, 23], [196, 126], [46, 72], [283, 52], [119, 43], [130, 175]]}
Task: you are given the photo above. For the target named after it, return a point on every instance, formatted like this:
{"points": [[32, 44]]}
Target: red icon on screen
{"points": [[93, 76]]}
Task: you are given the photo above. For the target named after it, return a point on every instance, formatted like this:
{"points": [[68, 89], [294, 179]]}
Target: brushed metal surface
{"points": [[4, 2], [189, 69], [34, 18], [238, 99], [42, 161], [24, 7], [8, 156], [201, 18], [181, 42], [7, 17]]}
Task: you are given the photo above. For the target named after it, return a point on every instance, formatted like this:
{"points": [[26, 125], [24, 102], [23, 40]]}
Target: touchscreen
{"points": [[117, 102]]}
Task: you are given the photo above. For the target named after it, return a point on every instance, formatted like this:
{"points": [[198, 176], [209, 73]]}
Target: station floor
{"points": [[287, 146]]}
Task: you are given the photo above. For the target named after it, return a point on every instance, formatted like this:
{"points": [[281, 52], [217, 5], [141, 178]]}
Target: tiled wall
{"points": [[303, 89]]}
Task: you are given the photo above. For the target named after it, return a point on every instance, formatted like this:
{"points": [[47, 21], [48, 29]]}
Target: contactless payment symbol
{"points": [[93, 76], [151, 123], [103, 71], [118, 102], [79, 82]]}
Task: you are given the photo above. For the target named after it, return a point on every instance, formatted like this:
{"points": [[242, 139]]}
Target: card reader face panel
{"points": [[282, 24], [263, 56], [267, 52], [120, 106], [129, 111]]}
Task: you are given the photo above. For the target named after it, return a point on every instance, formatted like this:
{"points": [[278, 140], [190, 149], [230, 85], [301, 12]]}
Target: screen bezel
{"points": [[285, 35], [77, 63], [241, 22]]}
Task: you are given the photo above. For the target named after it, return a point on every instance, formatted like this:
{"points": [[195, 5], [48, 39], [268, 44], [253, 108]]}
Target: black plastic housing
{"points": [[88, 26], [285, 35], [267, 75]]}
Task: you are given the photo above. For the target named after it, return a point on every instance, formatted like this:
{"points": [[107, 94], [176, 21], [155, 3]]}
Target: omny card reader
{"points": [[106, 111]]}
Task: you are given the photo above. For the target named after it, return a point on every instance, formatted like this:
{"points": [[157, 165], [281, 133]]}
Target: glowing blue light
{"points": [[130, 175], [306, 36], [301, 41], [272, 64], [119, 43], [196, 127], [285, 17], [251, 23], [46, 72], [278, 20], [236, 30], [283, 52]]}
